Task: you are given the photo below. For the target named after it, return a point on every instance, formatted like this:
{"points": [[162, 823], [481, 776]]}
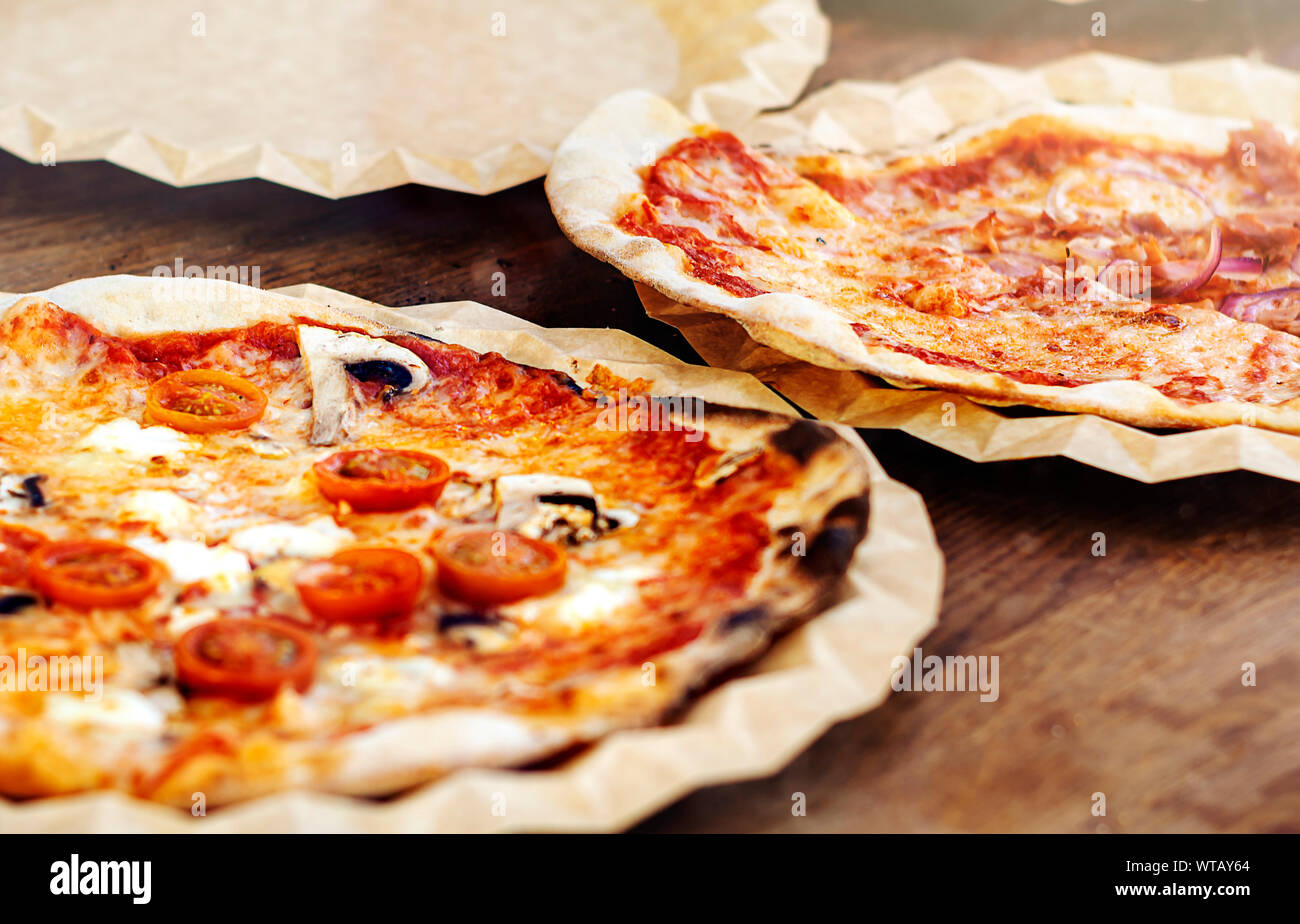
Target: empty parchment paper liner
{"points": [[340, 99]]}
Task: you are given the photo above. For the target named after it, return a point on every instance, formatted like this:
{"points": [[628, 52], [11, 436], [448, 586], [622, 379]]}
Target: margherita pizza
{"points": [[253, 543], [1130, 262]]}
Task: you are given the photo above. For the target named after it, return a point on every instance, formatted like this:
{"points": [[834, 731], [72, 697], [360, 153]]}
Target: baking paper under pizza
{"points": [[249, 543], [1127, 261]]}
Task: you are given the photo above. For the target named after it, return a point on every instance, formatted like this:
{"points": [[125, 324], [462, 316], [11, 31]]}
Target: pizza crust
{"points": [[828, 506], [596, 170]]}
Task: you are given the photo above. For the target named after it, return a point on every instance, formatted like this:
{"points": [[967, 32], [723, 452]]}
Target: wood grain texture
{"points": [[1118, 674]]}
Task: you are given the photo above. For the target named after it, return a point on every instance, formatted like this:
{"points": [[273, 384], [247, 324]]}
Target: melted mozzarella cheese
{"points": [[314, 539], [391, 676], [375, 686], [170, 513], [225, 569], [127, 438], [587, 599], [118, 709], [184, 618]]}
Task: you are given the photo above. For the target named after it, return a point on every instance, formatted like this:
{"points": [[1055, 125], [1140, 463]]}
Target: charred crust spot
{"points": [[852, 511], [754, 615], [567, 382], [830, 553], [1154, 316], [802, 439], [381, 371]]}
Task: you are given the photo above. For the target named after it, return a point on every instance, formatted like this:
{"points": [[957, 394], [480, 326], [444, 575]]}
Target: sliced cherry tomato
{"points": [[361, 585], [203, 400], [16, 545], [487, 566], [382, 479], [244, 659], [93, 573]]}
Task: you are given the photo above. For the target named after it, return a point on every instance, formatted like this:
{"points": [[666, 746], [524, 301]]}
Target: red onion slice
{"points": [[1276, 308], [1087, 250], [1242, 269], [949, 224], [1174, 277], [1005, 216], [1126, 277], [1012, 263], [1076, 180]]}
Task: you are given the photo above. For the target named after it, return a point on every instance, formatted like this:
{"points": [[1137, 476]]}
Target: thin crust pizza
{"points": [[249, 543], [1131, 262]]}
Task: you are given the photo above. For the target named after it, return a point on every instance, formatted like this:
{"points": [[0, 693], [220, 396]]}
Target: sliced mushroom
{"points": [[555, 508], [619, 518], [331, 356], [21, 493], [467, 501]]}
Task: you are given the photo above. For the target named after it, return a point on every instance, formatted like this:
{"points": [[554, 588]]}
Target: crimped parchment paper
{"points": [[345, 98], [833, 667], [872, 118]]}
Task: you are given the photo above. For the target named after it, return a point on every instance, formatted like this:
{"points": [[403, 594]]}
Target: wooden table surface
{"points": [[1119, 675]]}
